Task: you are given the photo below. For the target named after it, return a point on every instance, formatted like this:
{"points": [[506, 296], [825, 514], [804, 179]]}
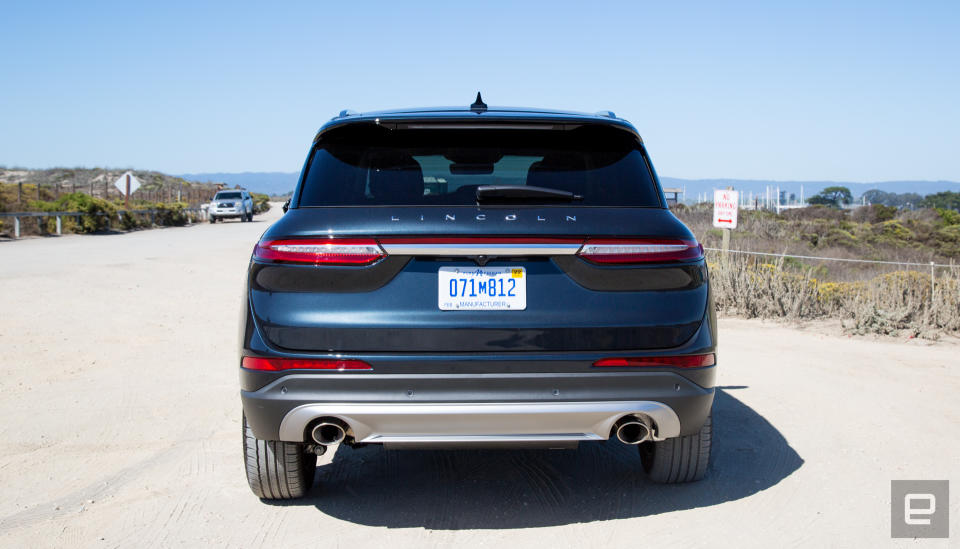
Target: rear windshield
{"points": [[222, 196], [376, 167]]}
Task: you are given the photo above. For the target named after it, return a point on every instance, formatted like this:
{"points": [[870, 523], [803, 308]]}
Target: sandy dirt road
{"points": [[121, 428]]}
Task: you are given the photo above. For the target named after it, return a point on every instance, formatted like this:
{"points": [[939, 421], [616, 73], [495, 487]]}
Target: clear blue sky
{"points": [[861, 91]]}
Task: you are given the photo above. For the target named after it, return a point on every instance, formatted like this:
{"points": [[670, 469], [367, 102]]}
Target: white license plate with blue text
{"points": [[482, 289]]}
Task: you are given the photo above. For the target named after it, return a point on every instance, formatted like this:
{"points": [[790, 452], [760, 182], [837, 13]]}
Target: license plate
{"points": [[482, 289]]}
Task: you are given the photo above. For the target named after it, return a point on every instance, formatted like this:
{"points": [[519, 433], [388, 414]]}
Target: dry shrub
{"points": [[893, 303], [872, 232], [876, 213]]}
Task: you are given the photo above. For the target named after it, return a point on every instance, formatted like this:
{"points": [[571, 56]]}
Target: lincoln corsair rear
{"points": [[476, 277]]}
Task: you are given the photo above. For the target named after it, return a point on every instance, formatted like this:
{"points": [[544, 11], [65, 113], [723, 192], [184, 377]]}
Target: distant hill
{"points": [[272, 183], [695, 187]]}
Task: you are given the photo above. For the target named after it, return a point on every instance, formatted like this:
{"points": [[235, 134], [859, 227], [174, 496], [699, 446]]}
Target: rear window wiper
{"points": [[523, 193]]}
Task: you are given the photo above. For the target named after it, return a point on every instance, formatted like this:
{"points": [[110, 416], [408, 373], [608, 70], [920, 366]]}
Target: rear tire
{"points": [[250, 216], [277, 469], [680, 459], [213, 219]]}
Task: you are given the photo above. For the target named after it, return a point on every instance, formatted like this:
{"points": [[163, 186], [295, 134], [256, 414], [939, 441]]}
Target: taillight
{"points": [[338, 251], [640, 250], [274, 364], [684, 361]]}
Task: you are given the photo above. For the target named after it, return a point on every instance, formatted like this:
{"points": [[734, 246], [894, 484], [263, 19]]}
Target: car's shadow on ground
{"points": [[470, 489]]}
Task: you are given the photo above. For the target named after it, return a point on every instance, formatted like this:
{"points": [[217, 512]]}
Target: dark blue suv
{"points": [[476, 277]]}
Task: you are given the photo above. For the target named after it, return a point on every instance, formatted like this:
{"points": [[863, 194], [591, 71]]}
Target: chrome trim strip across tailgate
{"points": [[472, 249], [432, 423]]}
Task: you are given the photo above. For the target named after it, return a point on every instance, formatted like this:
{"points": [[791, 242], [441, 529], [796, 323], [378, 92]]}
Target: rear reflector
{"points": [[340, 251], [274, 364], [640, 251], [686, 361]]}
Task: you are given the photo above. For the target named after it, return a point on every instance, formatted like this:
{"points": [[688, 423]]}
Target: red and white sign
{"points": [[725, 205]]}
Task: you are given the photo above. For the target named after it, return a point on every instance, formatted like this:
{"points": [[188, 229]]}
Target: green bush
{"points": [[261, 203], [947, 240], [948, 234], [949, 217], [170, 214], [130, 221], [891, 233], [102, 214], [839, 237], [99, 212]]}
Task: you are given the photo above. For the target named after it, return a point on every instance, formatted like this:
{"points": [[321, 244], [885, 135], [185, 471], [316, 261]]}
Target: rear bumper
{"points": [[227, 213], [481, 423], [440, 409]]}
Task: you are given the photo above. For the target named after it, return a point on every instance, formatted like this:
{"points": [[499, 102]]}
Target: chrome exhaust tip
{"points": [[329, 431], [632, 430]]}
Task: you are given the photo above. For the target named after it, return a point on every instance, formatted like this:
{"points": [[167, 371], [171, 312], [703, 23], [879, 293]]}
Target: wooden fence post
{"points": [[932, 282]]}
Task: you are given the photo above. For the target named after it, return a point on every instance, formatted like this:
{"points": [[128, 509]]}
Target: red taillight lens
{"points": [[640, 251], [686, 361], [332, 251], [274, 364]]}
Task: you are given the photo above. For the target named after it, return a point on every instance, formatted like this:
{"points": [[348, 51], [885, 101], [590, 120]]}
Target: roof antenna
{"points": [[478, 105]]}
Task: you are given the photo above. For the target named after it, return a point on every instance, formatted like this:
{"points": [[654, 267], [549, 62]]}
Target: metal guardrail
{"points": [[201, 213]]}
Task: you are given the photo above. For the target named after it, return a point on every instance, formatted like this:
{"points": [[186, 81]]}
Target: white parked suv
{"points": [[228, 204]]}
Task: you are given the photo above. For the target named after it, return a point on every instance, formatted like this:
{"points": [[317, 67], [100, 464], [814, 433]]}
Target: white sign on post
{"points": [[121, 183], [725, 205]]}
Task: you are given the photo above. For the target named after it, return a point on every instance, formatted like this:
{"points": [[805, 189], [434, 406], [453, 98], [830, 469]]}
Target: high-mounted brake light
{"points": [[684, 361], [339, 251], [640, 250], [275, 364]]}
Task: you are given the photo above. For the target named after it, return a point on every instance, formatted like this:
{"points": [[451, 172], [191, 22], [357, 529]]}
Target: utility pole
{"points": [[126, 202]]}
